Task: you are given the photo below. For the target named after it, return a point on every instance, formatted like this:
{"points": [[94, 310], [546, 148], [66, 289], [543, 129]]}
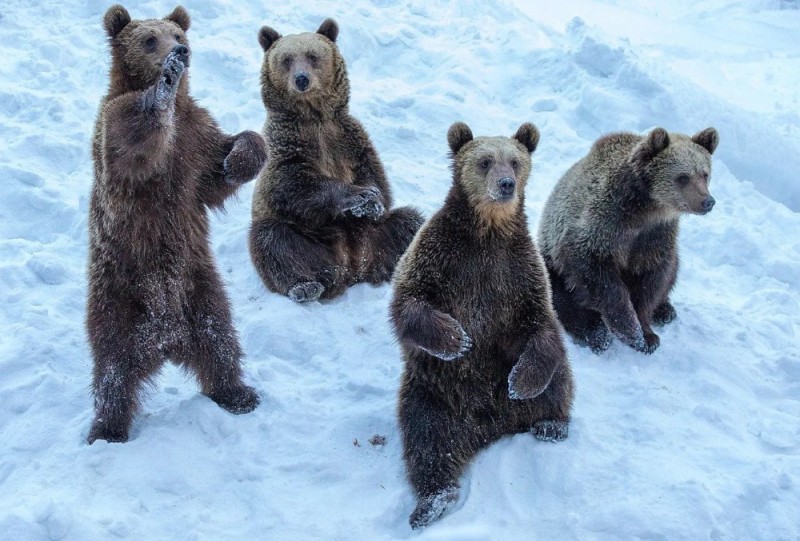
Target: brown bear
{"points": [[154, 292], [609, 233], [321, 207], [483, 351]]}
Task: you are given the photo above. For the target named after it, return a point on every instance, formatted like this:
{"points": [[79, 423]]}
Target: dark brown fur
{"points": [[483, 351], [609, 233], [321, 209], [154, 291]]}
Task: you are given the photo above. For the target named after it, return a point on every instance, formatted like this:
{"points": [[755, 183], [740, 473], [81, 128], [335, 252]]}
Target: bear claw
{"points": [[549, 430], [432, 507]]}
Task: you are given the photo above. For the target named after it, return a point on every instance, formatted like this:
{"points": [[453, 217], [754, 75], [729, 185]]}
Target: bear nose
{"points": [[506, 186], [301, 80], [708, 204]]}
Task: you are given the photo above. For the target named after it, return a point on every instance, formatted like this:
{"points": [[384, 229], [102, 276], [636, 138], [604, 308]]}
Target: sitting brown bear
{"points": [[483, 351], [159, 161], [609, 233], [321, 208]]}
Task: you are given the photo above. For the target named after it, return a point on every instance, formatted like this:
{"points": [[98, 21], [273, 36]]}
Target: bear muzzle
{"points": [[503, 189]]}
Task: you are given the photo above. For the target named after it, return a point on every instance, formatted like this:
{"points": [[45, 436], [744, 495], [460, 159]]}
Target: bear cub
{"points": [[322, 217], [482, 348], [609, 233], [160, 161]]}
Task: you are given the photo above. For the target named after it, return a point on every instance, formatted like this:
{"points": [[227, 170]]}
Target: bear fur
{"points": [[609, 233], [154, 292], [321, 207], [483, 351]]}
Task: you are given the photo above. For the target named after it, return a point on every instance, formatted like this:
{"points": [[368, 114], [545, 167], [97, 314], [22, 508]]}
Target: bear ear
{"points": [[656, 141], [267, 36], [329, 29], [458, 135], [180, 17], [528, 135], [115, 19], [708, 139]]}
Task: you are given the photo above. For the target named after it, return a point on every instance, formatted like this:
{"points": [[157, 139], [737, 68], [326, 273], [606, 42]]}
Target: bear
{"points": [[321, 216], [160, 161], [609, 233], [483, 350]]}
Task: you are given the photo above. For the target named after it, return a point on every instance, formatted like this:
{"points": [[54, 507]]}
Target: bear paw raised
{"points": [[550, 430], [306, 291], [366, 204]]}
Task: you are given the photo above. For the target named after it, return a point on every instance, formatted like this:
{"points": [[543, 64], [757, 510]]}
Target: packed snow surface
{"points": [[700, 440]]}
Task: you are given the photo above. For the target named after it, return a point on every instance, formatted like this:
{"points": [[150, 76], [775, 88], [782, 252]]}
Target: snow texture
{"points": [[700, 440]]}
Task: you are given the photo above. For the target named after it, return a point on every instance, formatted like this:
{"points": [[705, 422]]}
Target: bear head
{"points": [[304, 74], [492, 171], [138, 47], [676, 169]]}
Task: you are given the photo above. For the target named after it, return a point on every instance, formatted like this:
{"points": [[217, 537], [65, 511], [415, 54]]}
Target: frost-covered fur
{"points": [[322, 216], [159, 162], [609, 233], [483, 351]]}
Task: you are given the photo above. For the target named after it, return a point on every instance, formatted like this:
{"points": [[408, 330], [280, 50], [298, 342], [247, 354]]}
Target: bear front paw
{"points": [[550, 430], [651, 343], [171, 71], [455, 342], [306, 291], [526, 381], [664, 313], [238, 400], [432, 507], [246, 159], [366, 204], [109, 433]]}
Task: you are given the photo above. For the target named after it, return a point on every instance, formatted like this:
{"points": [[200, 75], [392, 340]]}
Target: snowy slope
{"points": [[699, 441]]}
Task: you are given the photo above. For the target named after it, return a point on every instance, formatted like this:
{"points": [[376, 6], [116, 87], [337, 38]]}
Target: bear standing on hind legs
{"points": [[483, 351], [609, 233], [322, 217], [154, 292]]}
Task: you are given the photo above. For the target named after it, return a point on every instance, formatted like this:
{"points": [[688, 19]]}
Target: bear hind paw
{"points": [[431, 508]]}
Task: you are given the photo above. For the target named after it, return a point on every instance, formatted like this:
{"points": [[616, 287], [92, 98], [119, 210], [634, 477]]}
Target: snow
{"points": [[699, 440]]}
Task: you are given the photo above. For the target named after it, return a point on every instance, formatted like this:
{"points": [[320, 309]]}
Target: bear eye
{"points": [[514, 165], [178, 38], [286, 62], [485, 163], [312, 58], [682, 179], [705, 176], [150, 43]]}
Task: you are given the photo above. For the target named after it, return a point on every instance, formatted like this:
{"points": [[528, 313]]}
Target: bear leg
{"points": [[437, 445], [388, 241], [582, 323], [211, 346], [285, 258]]}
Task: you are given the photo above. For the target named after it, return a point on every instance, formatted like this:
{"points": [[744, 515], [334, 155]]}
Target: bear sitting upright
{"points": [[483, 351], [609, 233], [159, 161], [321, 208]]}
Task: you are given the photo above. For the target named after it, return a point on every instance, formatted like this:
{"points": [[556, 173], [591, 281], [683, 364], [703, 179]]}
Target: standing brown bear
{"points": [[609, 233], [321, 208], [154, 291], [483, 351]]}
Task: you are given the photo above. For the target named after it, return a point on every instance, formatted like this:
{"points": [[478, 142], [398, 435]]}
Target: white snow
{"points": [[700, 440]]}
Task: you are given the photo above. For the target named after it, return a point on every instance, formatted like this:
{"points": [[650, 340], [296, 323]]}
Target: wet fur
{"points": [[154, 290], [477, 270], [609, 234], [321, 158]]}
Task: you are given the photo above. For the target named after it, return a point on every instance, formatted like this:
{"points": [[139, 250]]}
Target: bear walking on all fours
{"points": [[483, 351], [322, 217], [154, 292], [609, 233]]}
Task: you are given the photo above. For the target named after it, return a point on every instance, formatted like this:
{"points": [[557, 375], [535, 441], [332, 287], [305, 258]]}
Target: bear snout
{"points": [[302, 81], [708, 204], [505, 189]]}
